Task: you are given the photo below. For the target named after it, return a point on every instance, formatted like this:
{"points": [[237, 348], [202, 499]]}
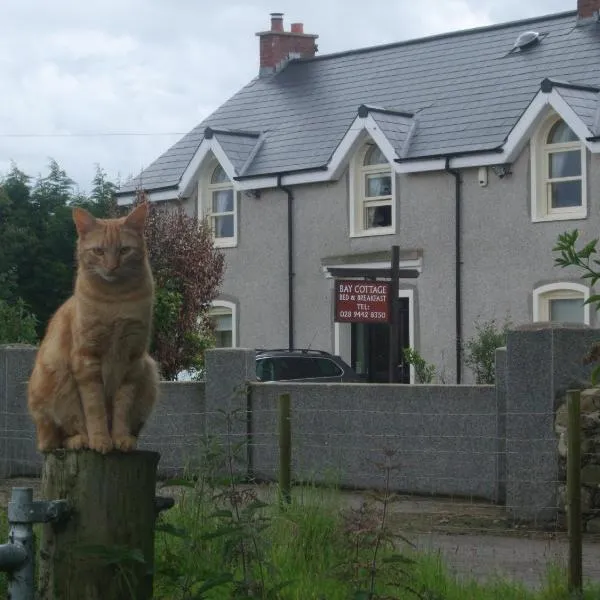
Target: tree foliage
{"points": [[17, 324], [37, 263], [188, 271]]}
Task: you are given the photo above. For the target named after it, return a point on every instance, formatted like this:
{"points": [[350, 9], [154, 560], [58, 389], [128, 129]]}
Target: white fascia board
{"points": [[420, 166], [156, 196], [561, 106], [190, 175]]}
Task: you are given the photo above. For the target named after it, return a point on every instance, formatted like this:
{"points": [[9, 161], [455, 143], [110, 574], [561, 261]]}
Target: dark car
{"points": [[302, 365]]}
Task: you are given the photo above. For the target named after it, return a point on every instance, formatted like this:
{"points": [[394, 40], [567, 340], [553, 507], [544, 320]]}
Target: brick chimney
{"points": [[586, 9], [277, 46]]}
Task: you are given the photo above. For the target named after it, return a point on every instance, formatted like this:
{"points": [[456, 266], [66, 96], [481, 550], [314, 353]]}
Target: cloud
{"points": [[156, 68]]}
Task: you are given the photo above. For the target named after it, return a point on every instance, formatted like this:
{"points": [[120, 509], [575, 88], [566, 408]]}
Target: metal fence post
{"points": [[21, 581], [18, 556]]}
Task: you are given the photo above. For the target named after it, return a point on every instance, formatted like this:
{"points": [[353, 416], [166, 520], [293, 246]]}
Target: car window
{"points": [[265, 369], [327, 368], [292, 367]]}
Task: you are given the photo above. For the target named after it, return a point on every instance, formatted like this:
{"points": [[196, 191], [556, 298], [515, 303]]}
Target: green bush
{"points": [[424, 371], [17, 324], [479, 351]]}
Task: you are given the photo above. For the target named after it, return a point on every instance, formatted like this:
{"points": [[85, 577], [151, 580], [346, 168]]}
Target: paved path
{"points": [[520, 559]]}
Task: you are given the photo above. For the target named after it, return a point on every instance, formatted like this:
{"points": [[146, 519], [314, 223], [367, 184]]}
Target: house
{"points": [[471, 151]]}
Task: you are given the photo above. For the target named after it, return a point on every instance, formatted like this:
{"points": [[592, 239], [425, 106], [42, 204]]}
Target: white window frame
{"points": [[232, 307], [205, 191], [357, 174], [540, 150], [543, 294]]}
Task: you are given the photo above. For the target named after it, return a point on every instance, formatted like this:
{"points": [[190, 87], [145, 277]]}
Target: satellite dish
{"points": [[527, 39]]}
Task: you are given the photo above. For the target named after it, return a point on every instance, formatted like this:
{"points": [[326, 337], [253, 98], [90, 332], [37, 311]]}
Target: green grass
{"points": [[3, 540], [307, 546], [311, 549]]}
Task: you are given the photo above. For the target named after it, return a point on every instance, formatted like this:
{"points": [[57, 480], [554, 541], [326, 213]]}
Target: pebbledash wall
{"points": [[481, 442]]}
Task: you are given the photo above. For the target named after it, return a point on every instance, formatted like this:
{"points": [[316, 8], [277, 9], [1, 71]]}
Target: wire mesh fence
{"points": [[479, 472]]}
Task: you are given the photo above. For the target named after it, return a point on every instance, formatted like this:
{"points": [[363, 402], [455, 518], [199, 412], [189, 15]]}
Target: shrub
{"points": [[480, 350]]}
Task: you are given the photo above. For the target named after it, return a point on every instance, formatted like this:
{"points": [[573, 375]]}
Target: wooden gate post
{"points": [[105, 550]]}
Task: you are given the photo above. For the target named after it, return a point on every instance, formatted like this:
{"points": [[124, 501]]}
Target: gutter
{"points": [[290, 251], [458, 265]]}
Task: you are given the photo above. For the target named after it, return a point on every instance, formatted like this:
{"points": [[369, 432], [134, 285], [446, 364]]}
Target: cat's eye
{"points": [[124, 249], [98, 251]]}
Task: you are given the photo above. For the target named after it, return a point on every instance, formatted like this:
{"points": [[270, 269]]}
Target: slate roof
{"points": [[584, 102], [239, 146], [465, 90]]}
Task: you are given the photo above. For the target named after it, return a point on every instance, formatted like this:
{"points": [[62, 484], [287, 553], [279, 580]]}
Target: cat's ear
{"points": [[136, 219], [84, 221]]}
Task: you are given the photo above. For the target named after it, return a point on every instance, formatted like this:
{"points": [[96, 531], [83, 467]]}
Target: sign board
{"points": [[362, 301]]}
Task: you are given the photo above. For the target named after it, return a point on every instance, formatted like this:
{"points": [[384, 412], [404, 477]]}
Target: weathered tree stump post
{"points": [[105, 550]]}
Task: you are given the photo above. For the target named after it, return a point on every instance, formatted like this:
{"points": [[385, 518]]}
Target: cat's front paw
{"points": [[76, 442], [101, 443], [125, 443]]}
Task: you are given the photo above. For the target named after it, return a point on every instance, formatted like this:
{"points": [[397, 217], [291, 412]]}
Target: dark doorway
{"points": [[371, 348]]}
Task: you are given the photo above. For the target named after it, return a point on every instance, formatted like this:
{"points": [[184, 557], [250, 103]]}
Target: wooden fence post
{"points": [[574, 492], [105, 551], [285, 449]]}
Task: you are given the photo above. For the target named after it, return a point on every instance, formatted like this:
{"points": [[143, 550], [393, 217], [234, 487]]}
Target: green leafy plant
{"points": [[376, 566], [479, 351], [424, 371], [584, 259]]}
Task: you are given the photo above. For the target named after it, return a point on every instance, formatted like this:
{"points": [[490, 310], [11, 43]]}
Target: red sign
{"points": [[362, 301]]}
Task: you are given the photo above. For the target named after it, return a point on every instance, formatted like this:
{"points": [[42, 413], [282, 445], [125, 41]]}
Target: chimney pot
{"points": [[276, 21], [297, 27]]}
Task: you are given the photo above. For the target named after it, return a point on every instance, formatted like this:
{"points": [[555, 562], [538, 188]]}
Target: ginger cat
{"points": [[93, 384]]}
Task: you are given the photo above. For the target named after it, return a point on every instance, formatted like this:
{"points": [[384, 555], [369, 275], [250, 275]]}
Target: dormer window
{"points": [[219, 204], [372, 197], [558, 173]]}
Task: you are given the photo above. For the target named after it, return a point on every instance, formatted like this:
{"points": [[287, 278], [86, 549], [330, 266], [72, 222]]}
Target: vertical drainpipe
{"points": [[458, 266], [290, 249]]}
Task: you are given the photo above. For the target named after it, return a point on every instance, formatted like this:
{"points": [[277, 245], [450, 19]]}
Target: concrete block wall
{"points": [[493, 442], [175, 428], [443, 438]]}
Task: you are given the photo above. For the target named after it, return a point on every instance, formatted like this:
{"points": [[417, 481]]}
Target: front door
{"points": [[371, 347]]}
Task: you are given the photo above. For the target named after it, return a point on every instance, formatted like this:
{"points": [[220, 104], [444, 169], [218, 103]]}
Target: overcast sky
{"points": [[74, 72]]}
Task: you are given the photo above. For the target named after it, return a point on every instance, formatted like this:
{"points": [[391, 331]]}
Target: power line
{"points": [[90, 134]]}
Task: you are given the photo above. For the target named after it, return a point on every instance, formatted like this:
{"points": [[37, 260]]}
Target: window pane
{"points": [[222, 322], [374, 156], [219, 176], [378, 185], [564, 164], [561, 133], [565, 194], [223, 339], [222, 201], [567, 310], [378, 216], [223, 226]]}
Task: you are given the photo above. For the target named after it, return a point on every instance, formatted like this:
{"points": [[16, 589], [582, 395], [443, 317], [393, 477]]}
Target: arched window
{"points": [[561, 303], [373, 198], [559, 169], [219, 203]]}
